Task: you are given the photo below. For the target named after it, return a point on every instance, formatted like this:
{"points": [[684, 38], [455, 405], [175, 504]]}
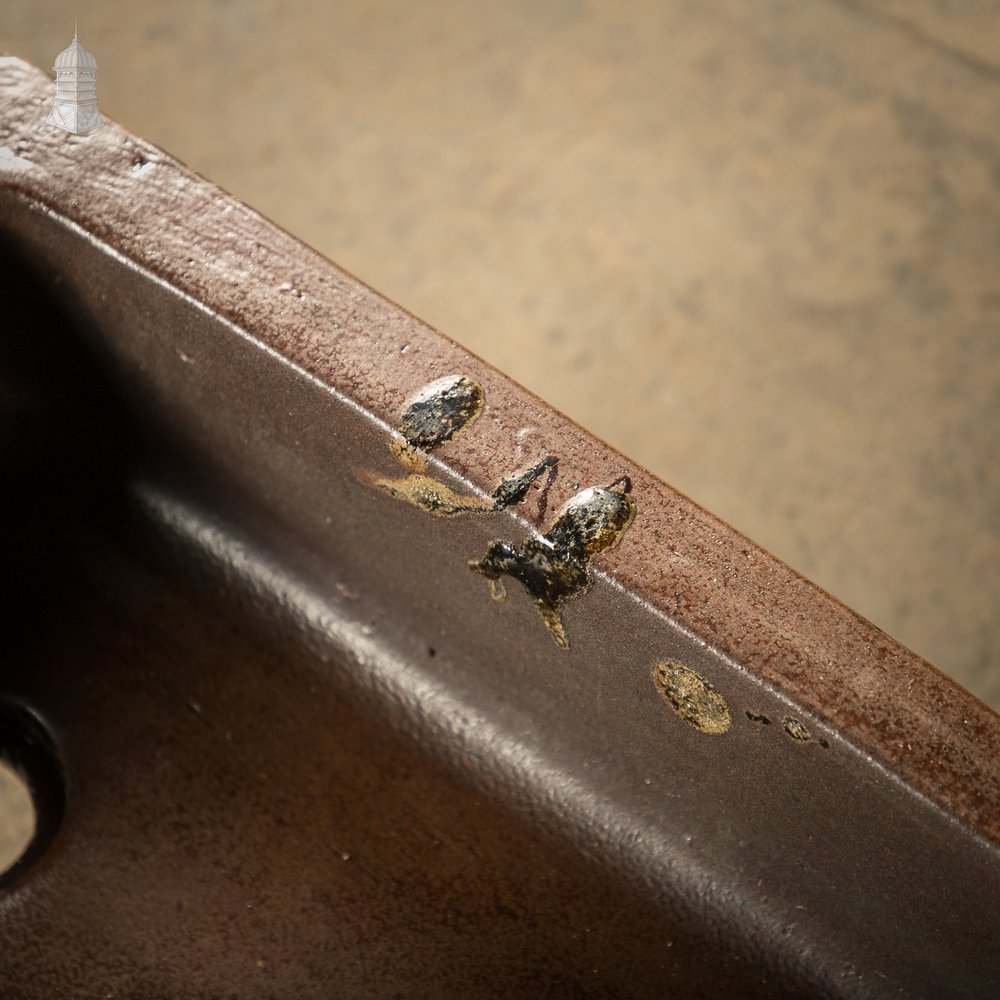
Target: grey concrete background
{"points": [[755, 246]]}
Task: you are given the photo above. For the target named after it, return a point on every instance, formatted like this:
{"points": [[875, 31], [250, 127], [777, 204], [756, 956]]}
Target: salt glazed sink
{"points": [[285, 740]]}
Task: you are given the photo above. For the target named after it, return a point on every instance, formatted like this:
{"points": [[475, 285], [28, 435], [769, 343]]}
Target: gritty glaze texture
{"points": [[692, 697]]}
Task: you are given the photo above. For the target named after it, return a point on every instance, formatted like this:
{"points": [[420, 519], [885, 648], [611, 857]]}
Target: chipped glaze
{"points": [[554, 568]]}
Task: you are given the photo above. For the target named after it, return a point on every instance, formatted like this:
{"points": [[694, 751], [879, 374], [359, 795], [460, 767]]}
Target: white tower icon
{"points": [[75, 106]]}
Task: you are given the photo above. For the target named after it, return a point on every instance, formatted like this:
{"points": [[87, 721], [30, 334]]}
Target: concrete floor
{"points": [[754, 246]]}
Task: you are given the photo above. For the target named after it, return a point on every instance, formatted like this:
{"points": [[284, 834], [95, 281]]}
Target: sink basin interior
{"points": [[293, 741]]}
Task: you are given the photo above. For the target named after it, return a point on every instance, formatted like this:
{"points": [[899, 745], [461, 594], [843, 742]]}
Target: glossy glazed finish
{"points": [[305, 752]]}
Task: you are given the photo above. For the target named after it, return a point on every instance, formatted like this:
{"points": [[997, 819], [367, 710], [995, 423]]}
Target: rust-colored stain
{"points": [[554, 568], [692, 697]]}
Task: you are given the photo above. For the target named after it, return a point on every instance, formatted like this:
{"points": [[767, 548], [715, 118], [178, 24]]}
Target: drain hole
{"points": [[32, 791], [17, 817]]}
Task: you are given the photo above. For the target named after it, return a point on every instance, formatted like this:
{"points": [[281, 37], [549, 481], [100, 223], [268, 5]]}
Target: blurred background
{"points": [[756, 246]]}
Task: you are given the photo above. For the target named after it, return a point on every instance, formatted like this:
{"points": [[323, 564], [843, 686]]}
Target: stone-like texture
{"points": [[755, 246]]}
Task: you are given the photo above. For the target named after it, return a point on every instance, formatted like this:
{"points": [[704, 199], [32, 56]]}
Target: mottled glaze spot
{"points": [[430, 496], [692, 697], [554, 568], [435, 415], [795, 729], [440, 410]]}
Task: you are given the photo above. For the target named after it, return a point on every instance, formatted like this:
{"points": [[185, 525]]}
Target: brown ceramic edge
{"points": [[677, 558]]}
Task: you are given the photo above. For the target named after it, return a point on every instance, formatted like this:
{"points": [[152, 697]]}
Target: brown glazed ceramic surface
{"points": [[285, 744]]}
